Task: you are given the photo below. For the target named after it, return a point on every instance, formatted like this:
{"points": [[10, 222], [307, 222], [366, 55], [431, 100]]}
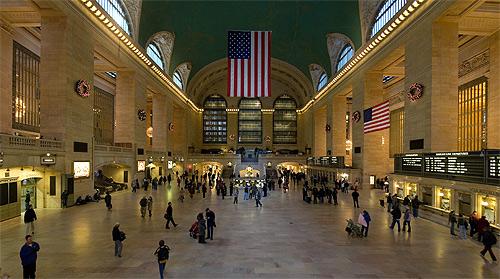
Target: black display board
{"points": [[326, 161]]}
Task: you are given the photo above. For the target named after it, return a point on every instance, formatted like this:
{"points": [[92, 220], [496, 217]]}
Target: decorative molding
{"points": [[367, 12], [134, 11], [184, 69], [474, 63], [335, 42], [165, 41], [397, 98], [315, 70]]}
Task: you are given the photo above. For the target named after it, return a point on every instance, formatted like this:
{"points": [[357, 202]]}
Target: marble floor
{"points": [[286, 238]]}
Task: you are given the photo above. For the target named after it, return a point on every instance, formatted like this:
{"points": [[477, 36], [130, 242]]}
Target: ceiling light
{"points": [[397, 21], [484, 203], [379, 38], [93, 9], [102, 17], [411, 9], [401, 17], [98, 13], [393, 25], [406, 13], [390, 28], [106, 21], [89, 4]]}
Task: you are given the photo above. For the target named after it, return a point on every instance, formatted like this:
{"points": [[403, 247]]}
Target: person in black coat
{"points": [[210, 215], [118, 238], [355, 198], [107, 201], [334, 196], [29, 220], [396, 215], [489, 239], [169, 215]]}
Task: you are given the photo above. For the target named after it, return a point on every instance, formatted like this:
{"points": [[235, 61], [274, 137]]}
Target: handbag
{"points": [[165, 216]]}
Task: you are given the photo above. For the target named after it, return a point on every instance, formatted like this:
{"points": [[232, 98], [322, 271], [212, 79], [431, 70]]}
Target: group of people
{"points": [[406, 209], [203, 227]]}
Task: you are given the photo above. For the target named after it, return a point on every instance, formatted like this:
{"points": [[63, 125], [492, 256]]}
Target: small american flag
{"points": [[249, 64], [377, 118]]}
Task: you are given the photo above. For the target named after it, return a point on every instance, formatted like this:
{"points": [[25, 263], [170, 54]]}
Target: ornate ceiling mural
{"points": [[299, 28]]}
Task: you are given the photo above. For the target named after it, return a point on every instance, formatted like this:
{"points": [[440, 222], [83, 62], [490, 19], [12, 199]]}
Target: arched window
{"points": [[214, 120], [323, 79], [344, 56], [115, 9], [388, 10], [155, 54], [250, 121], [285, 120], [178, 79]]}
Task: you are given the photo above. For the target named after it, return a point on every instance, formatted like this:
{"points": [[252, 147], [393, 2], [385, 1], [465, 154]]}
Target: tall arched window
{"points": [[285, 120], [115, 9], [323, 79], [387, 11], [250, 121], [178, 79], [155, 54], [214, 120], [344, 56]]}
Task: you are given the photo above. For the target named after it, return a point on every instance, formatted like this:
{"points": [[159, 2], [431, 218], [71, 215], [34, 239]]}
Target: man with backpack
{"points": [[162, 253], [143, 203]]}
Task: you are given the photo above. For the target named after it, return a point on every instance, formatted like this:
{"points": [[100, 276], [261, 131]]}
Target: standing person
{"points": [[28, 256], [245, 192], [407, 220], [169, 179], [223, 190], [462, 226], [143, 203], [258, 196], [473, 220], [29, 220], [162, 252], [204, 189], [482, 224], [235, 194], [334, 195], [107, 201], [118, 238], [64, 199], [355, 198], [231, 188], [210, 223], [452, 220], [368, 219], [201, 228], [389, 202], [181, 195], [415, 204], [396, 215], [489, 239], [362, 222], [150, 205], [169, 215]]}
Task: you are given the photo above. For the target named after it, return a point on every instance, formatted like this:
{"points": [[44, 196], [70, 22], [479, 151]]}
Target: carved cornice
{"points": [[335, 42], [315, 70], [474, 63], [165, 41]]}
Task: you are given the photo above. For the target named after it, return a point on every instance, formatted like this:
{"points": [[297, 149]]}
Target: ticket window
{"points": [[427, 195], [444, 199], [488, 208], [464, 204]]}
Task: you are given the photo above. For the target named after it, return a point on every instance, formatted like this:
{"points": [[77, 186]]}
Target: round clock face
{"points": [[170, 126], [141, 114], [356, 116]]}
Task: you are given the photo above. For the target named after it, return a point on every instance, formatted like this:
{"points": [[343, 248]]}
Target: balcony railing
{"points": [[17, 142]]}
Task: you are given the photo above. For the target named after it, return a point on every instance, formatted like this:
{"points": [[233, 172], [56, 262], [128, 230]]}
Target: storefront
{"points": [[411, 189], [464, 203], [28, 193], [427, 195]]}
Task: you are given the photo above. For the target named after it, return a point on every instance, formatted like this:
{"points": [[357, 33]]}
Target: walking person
{"points": [[334, 196], [462, 226], [107, 201], [396, 215], [28, 256], [482, 225], [364, 220], [118, 238], [162, 252], [258, 196], [201, 228], [204, 189], [210, 223], [407, 220], [143, 203], [29, 220], [452, 220], [235, 195], [489, 239], [473, 221], [64, 199], [169, 215], [389, 202], [150, 205], [355, 198]]}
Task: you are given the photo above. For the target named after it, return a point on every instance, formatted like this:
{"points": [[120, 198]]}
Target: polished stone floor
{"points": [[286, 238]]}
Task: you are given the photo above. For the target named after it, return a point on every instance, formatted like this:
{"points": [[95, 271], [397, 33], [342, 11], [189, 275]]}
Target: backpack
{"points": [[163, 253]]}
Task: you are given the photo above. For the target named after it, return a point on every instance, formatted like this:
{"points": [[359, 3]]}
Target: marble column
{"points": [[373, 148], [431, 54], [319, 148], [493, 128], [160, 124], [329, 121], [5, 78], [338, 134], [67, 55]]}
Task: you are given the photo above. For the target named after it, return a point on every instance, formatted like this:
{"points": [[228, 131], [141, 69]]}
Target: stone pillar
{"points": [[373, 157], [160, 124], [67, 55], [129, 99], [232, 129], [5, 78], [169, 111], [338, 135], [329, 121], [319, 148], [431, 54], [267, 129], [493, 130]]}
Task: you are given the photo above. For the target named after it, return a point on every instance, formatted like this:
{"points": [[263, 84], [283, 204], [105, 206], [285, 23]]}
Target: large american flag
{"points": [[249, 64], [377, 118]]}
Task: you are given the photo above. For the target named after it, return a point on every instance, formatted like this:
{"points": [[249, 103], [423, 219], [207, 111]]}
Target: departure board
{"points": [[455, 164], [494, 166], [412, 163]]}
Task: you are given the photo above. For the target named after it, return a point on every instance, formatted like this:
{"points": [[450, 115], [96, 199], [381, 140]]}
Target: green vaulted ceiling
{"points": [[299, 28]]}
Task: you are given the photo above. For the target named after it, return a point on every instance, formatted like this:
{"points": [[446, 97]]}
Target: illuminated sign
{"points": [[170, 164], [141, 165], [81, 169], [47, 160]]}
